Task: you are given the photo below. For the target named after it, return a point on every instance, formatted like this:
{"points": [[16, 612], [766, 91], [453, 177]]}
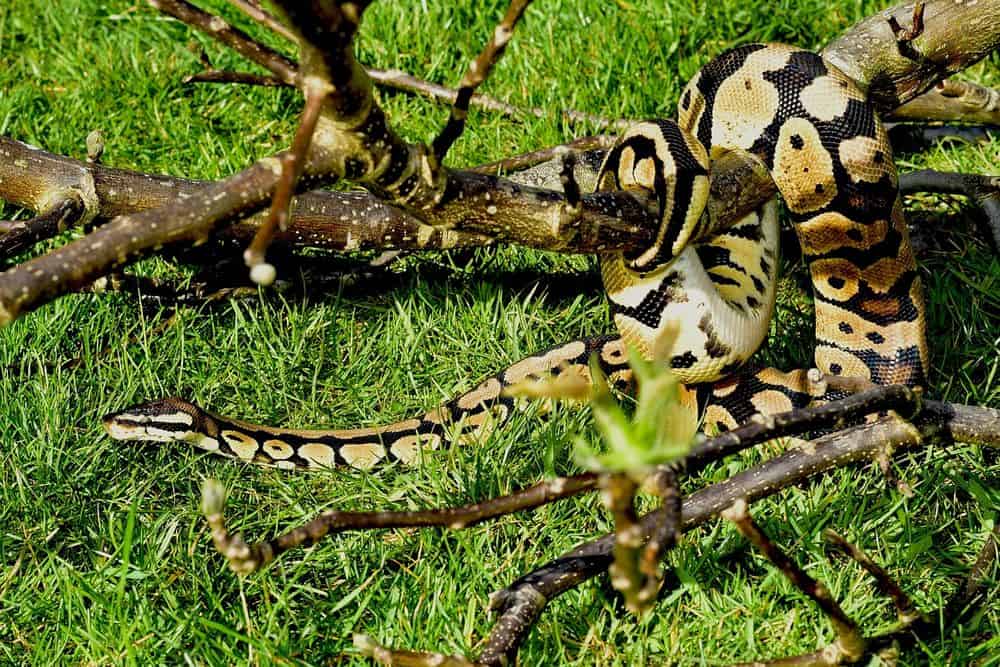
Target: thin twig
{"points": [[292, 164], [228, 76], [244, 558], [398, 80], [16, 237], [905, 609], [911, 32], [252, 9], [234, 38], [850, 644], [963, 602], [477, 73], [521, 604], [527, 160], [834, 415], [395, 79]]}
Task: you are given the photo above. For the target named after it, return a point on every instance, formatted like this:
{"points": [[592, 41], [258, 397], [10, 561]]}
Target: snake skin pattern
{"points": [[831, 160]]}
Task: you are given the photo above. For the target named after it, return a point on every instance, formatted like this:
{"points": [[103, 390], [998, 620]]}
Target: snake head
{"points": [[668, 162], [164, 420]]}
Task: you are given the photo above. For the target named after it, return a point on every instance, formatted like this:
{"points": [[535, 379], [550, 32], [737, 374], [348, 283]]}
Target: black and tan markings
{"points": [[721, 288], [658, 156], [830, 157], [466, 418]]}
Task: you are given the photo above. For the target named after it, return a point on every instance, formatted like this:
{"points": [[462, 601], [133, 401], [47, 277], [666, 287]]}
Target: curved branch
{"points": [[982, 190]]}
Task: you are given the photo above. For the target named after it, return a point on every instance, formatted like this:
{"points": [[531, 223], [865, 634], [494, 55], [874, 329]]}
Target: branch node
{"points": [[905, 36], [243, 559], [95, 146]]}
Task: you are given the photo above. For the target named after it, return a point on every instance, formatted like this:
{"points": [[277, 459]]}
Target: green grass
{"points": [[104, 558]]}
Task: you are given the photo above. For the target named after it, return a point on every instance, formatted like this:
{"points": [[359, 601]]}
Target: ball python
{"points": [[830, 158]]}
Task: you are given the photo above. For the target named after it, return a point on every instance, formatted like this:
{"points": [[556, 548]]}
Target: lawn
{"points": [[104, 556]]}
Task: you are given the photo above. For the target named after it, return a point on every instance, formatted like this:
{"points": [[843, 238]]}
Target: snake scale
{"points": [[830, 157]]}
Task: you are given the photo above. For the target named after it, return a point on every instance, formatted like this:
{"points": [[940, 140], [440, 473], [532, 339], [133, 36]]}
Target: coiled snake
{"points": [[829, 155]]}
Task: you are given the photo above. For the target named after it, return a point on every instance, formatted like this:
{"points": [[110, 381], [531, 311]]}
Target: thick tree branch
{"points": [[954, 34], [950, 101], [354, 141], [30, 284], [31, 177]]}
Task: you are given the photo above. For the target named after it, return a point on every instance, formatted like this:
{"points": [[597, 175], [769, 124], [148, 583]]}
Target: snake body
{"points": [[470, 416], [830, 157]]}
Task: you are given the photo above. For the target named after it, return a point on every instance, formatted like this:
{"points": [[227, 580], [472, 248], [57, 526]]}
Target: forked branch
{"points": [[850, 644], [353, 140], [255, 556], [938, 423], [244, 558]]}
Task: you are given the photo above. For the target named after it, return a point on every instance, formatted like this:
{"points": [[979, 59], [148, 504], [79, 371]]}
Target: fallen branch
{"points": [[244, 558], [895, 69], [952, 100], [835, 413], [938, 423], [850, 644], [461, 201], [16, 237]]}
